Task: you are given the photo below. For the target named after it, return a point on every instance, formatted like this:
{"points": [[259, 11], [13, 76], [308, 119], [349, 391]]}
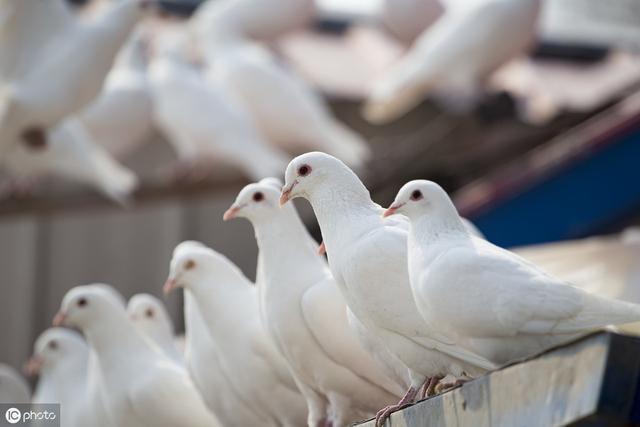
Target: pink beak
{"points": [[33, 366], [59, 319], [322, 249], [230, 213], [169, 286], [390, 211], [285, 196]]}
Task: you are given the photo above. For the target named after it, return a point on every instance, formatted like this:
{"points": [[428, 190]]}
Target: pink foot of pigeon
{"points": [[407, 399], [428, 389]]}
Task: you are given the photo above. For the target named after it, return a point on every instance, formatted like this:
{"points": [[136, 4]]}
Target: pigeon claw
{"points": [[385, 413]]}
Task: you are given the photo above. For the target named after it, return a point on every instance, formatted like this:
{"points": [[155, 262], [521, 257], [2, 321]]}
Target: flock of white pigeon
{"points": [[409, 302], [81, 90]]}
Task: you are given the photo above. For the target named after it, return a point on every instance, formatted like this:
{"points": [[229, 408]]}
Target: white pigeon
{"points": [[141, 386], [228, 302], [120, 119], [407, 19], [150, 316], [202, 358], [219, 20], [485, 298], [368, 258], [286, 110], [202, 122], [455, 56], [13, 387], [306, 316], [53, 63], [60, 359], [71, 153]]}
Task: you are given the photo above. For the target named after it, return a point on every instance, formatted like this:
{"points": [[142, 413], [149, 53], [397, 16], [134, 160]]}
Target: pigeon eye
{"points": [[82, 302], [304, 170], [258, 196], [189, 264], [149, 313], [34, 138], [416, 195], [53, 345]]}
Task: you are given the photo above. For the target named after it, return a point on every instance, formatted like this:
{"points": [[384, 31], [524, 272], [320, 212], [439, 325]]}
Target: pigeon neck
{"points": [[344, 209], [427, 228], [284, 243], [64, 379], [224, 299], [111, 335]]}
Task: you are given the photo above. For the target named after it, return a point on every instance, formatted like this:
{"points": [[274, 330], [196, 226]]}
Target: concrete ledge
{"points": [[590, 382]]}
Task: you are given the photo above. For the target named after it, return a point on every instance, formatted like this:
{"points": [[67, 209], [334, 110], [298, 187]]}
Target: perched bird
{"points": [[455, 56], [219, 20], [141, 386], [120, 118], [71, 153], [60, 359], [485, 298], [149, 315], [41, 40], [202, 121], [306, 316], [13, 387], [368, 258], [202, 359], [225, 297], [407, 19], [286, 110]]}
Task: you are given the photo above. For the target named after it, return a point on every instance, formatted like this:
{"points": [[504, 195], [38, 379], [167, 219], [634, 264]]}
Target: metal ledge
{"points": [[590, 382]]}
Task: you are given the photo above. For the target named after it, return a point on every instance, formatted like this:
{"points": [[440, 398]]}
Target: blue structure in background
{"points": [[581, 199]]}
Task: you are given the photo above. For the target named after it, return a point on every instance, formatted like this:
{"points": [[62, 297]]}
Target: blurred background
{"points": [[545, 158]]}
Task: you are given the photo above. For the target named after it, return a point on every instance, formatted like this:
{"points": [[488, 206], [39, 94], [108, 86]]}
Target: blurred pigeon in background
{"points": [[60, 360], [455, 56], [40, 40]]}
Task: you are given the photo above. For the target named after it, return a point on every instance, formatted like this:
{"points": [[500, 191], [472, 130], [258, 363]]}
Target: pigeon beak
{"points": [[33, 366], [322, 249], [391, 210], [285, 196], [59, 319], [231, 212], [169, 286]]}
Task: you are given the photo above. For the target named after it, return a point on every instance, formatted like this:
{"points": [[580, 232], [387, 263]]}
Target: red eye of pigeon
{"points": [[82, 302], [304, 170], [258, 197]]}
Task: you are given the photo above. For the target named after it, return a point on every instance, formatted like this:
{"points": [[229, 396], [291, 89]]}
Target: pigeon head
{"points": [[257, 200], [307, 172], [190, 263], [421, 197], [147, 313], [84, 306], [53, 347], [195, 264]]}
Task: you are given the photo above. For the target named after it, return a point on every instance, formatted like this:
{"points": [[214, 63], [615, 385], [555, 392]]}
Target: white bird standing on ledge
{"points": [[485, 298], [368, 258], [60, 359], [141, 386], [455, 55], [150, 316], [228, 303], [305, 314]]}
